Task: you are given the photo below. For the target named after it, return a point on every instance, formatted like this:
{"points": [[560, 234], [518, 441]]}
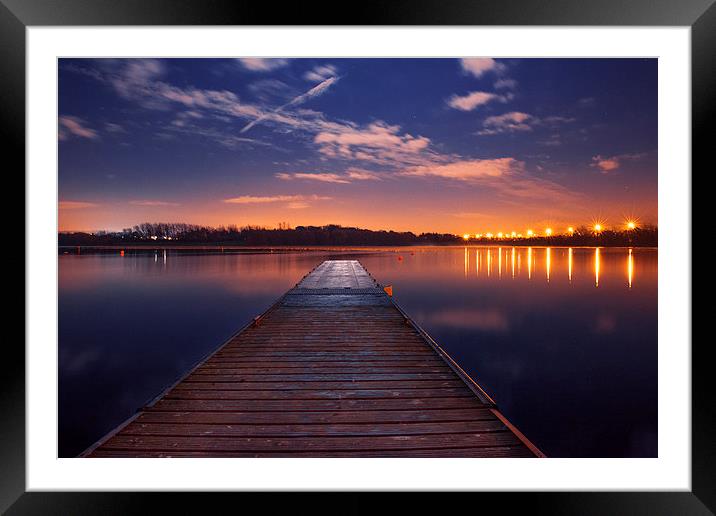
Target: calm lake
{"points": [[564, 340]]}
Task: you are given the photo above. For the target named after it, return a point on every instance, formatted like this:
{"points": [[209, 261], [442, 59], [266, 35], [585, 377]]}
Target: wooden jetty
{"points": [[333, 369]]}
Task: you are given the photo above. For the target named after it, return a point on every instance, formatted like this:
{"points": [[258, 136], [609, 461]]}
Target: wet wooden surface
{"points": [[334, 369]]}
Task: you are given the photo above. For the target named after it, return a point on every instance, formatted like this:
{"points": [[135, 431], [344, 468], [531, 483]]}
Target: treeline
{"points": [[252, 236], [335, 235]]}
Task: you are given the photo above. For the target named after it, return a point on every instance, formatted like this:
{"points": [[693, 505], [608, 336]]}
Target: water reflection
{"points": [[548, 252], [529, 263], [557, 262]]}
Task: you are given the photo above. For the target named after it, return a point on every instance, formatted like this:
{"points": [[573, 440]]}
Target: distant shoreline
{"points": [[293, 248], [158, 235]]}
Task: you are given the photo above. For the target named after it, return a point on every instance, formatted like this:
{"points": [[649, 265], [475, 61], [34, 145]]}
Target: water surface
{"points": [[564, 340]]}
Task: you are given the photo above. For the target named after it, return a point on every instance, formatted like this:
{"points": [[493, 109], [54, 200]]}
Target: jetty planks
{"points": [[333, 369]]}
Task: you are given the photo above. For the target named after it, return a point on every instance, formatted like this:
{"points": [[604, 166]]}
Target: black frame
{"points": [[16, 15]]}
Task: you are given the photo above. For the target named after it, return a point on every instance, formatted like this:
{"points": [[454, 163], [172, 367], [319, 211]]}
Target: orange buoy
{"points": [[121, 253], [388, 290]]}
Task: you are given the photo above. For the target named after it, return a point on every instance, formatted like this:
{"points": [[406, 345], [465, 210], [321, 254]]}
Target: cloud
{"points": [[71, 126], [259, 64], [227, 140], [553, 140], [608, 164], [329, 177], [586, 102], [473, 215], [114, 128], [320, 73], [153, 203], [468, 169], [268, 89], [322, 177], [378, 142], [478, 66], [254, 199], [298, 205], [556, 120], [472, 100], [506, 176], [509, 122], [363, 175], [76, 205], [505, 84]]}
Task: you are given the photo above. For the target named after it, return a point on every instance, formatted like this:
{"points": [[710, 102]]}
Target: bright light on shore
{"points": [[466, 236], [570, 230], [597, 227], [631, 224], [548, 231], [530, 233]]}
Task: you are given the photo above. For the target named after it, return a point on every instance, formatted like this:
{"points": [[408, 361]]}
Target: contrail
{"points": [[317, 90]]}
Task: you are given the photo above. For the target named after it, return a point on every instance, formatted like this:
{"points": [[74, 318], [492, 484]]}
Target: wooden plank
{"points": [[156, 415], [239, 375], [306, 394], [323, 443], [282, 430], [280, 405], [337, 386], [323, 370]]}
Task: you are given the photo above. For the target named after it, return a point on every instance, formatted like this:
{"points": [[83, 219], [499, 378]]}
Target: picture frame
{"points": [[700, 15]]}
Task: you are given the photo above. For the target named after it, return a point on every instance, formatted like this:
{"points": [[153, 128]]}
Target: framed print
{"points": [[442, 248]]}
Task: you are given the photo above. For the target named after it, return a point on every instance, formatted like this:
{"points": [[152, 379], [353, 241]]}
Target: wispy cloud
{"points": [[468, 170], [509, 122], [72, 126], [329, 177], [76, 205], [153, 203], [505, 84], [261, 199], [321, 73], [518, 121], [324, 177], [111, 127], [608, 164], [478, 66], [507, 177], [259, 64], [473, 99]]}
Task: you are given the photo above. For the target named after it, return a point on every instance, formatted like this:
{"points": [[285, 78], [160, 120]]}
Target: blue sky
{"points": [[453, 145]]}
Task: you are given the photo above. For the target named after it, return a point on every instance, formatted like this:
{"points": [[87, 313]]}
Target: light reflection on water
{"points": [[564, 339]]}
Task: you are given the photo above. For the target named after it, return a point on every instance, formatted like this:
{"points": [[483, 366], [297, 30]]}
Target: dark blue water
{"points": [[565, 341]]}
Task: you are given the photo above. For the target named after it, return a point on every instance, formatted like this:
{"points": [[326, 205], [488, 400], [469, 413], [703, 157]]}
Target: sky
{"points": [[447, 145]]}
